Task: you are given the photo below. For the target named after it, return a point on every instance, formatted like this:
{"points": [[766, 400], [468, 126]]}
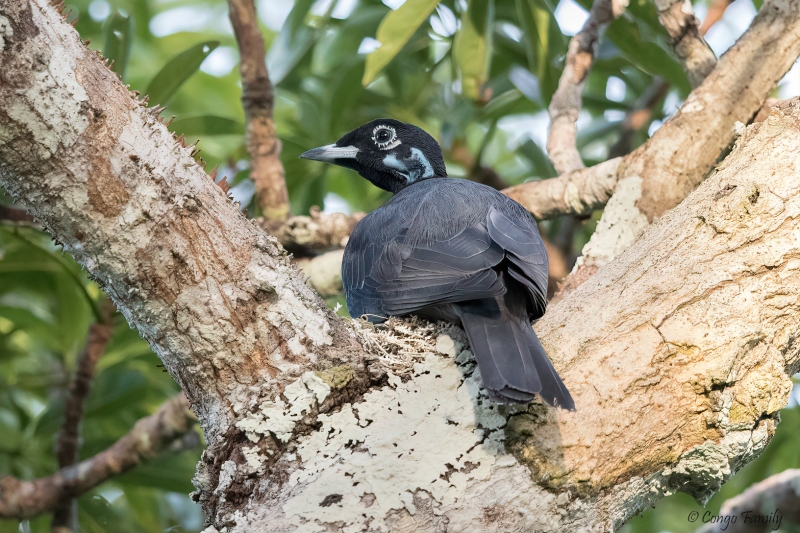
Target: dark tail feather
{"points": [[512, 361]]}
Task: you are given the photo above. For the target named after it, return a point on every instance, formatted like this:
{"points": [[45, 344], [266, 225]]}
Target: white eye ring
{"points": [[385, 145]]}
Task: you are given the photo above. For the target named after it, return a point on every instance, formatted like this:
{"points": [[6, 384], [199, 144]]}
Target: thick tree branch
{"points": [[218, 300], [68, 443], [149, 437], [307, 429], [766, 506], [266, 169], [688, 145], [565, 106], [664, 170], [696, 56]]}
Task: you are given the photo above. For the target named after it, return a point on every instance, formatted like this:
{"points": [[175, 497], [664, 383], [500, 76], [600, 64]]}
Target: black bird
{"points": [[449, 249]]}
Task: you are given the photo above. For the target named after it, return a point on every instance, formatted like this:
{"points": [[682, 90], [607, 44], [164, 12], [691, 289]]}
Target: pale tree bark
{"points": [[678, 352], [766, 506]]}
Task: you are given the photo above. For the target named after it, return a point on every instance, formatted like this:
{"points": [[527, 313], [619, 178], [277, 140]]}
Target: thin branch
{"points": [[68, 445], [575, 193], [688, 145], [765, 506], [303, 235], [715, 12], [9, 213], [696, 56], [151, 435], [566, 103], [266, 169]]}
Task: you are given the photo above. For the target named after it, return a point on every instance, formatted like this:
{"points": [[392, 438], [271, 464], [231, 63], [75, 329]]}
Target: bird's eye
{"points": [[385, 137]]}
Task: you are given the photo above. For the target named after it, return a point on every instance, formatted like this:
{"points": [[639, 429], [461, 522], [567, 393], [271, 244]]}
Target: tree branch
{"points": [[266, 169], [304, 423], [696, 56], [575, 193], [639, 117], [149, 437], [765, 506], [715, 12], [662, 172], [565, 106], [14, 214], [68, 443], [304, 235], [689, 144]]}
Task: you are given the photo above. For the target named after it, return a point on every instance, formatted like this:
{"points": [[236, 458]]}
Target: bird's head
{"points": [[389, 153]]}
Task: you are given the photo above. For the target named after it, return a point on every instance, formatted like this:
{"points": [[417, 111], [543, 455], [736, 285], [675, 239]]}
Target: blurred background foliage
{"points": [[477, 74]]}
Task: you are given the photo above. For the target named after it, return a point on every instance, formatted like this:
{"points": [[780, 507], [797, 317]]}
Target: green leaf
{"points": [[542, 166], [166, 83], [597, 129], [543, 42], [472, 50], [207, 125], [651, 57], [292, 43], [394, 32], [118, 40]]}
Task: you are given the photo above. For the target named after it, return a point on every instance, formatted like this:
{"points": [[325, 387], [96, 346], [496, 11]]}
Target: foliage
{"points": [[477, 74], [46, 307]]}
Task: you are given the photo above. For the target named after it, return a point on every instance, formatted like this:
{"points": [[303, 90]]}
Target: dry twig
{"points": [[266, 169], [566, 103], [150, 436], [68, 445]]}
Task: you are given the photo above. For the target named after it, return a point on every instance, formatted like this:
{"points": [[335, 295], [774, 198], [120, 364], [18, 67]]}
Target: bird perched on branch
{"points": [[448, 249]]}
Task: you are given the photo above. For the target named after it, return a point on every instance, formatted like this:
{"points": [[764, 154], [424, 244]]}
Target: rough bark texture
{"points": [[263, 145], [684, 150], [678, 19], [678, 353], [565, 106], [217, 299], [69, 438], [149, 437], [663, 171], [575, 193]]}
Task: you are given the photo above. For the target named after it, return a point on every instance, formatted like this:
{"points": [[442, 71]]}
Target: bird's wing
{"points": [[394, 278], [389, 270], [526, 252], [439, 272]]}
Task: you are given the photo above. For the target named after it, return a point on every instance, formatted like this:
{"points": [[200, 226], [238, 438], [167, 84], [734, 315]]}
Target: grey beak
{"points": [[330, 153]]}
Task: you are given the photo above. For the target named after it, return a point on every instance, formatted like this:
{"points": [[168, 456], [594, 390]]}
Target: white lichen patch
{"points": [[620, 225], [52, 120], [254, 461], [5, 31], [432, 431], [280, 417]]}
